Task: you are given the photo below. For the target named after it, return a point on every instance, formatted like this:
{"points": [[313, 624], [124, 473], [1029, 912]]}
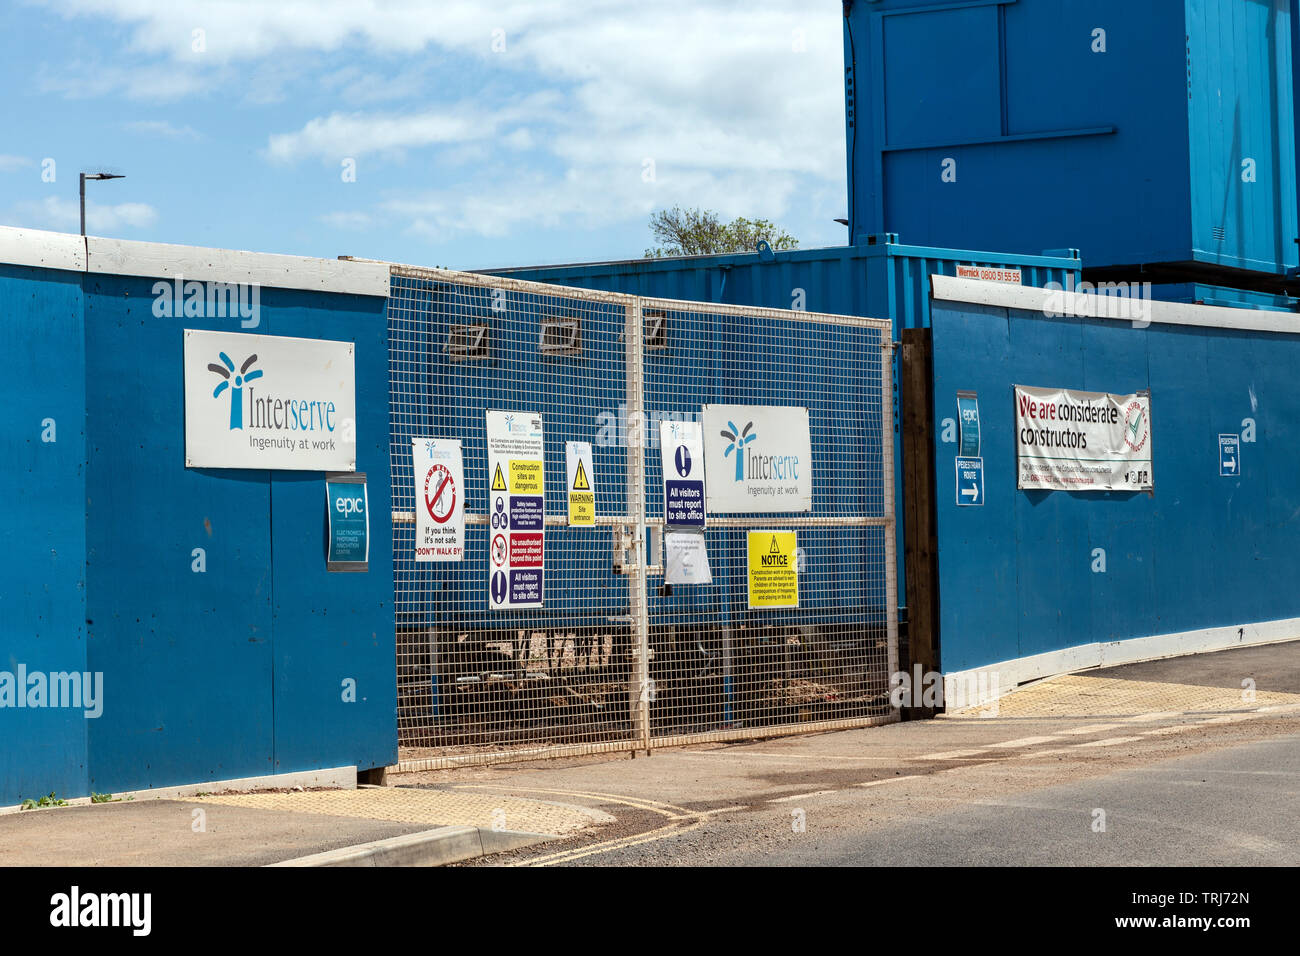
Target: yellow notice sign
{"points": [[773, 569], [581, 481], [525, 477]]}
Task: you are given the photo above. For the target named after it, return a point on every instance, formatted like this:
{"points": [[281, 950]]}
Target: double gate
{"points": [[616, 659]]}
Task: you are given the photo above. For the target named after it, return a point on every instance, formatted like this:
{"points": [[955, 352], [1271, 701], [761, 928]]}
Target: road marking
{"points": [[1108, 742], [802, 796], [881, 783], [638, 803], [1033, 754], [567, 856], [754, 753], [1021, 742], [1229, 718], [1158, 715], [1164, 731], [950, 755], [1090, 729]]}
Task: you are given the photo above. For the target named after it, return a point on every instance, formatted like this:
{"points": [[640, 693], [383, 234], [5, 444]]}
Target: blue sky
{"points": [[481, 133]]}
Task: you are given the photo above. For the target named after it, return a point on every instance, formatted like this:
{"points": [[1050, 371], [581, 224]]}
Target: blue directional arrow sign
{"points": [[970, 482], [1229, 456]]}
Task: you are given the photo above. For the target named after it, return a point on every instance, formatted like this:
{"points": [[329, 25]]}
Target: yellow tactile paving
{"points": [[432, 807], [1077, 695]]}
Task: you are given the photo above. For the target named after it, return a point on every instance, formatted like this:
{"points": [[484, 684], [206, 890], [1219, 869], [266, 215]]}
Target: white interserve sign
{"points": [[758, 458], [439, 499], [1083, 441], [267, 401]]}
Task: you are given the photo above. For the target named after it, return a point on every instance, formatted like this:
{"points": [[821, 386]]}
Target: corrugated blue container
{"points": [[1141, 133], [1199, 294], [879, 278]]}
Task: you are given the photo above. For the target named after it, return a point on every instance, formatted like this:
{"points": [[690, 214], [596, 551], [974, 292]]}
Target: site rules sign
{"points": [[517, 515], [348, 522], [581, 482], [773, 569], [439, 499], [681, 450], [1083, 441]]}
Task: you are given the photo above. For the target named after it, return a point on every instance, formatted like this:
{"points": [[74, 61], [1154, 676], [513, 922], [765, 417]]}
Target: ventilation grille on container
{"points": [[561, 337], [467, 343]]}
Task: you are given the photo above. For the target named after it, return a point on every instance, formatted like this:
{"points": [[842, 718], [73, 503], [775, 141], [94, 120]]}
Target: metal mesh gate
{"points": [[616, 659]]}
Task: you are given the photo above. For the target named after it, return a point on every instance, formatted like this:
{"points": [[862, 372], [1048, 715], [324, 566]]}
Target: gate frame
{"points": [[635, 526]]}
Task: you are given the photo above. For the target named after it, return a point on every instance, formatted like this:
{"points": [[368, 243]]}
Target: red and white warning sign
{"points": [[439, 499]]}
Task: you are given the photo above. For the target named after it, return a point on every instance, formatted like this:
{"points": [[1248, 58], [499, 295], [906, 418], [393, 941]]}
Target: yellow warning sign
{"points": [[499, 480], [773, 569], [580, 482], [525, 476], [582, 497]]}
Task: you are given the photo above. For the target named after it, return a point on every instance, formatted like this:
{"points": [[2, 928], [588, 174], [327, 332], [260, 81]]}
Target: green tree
{"points": [[700, 232]]}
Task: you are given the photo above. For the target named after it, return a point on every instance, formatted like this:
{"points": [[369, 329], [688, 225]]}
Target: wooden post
{"points": [[920, 547]]}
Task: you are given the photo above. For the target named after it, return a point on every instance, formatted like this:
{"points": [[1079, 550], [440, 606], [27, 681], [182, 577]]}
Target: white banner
{"points": [[267, 401], [1083, 441], [758, 458], [439, 499]]}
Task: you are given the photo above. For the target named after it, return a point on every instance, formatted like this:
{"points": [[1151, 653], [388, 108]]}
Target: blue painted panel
{"points": [[1242, 133], [187, 656], [42, 539], [1200, 551], [332, 627]]}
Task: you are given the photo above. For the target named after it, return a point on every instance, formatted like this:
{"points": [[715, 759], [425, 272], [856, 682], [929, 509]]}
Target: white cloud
{"points": [[740, 105], [163, 128], [362, 134], [64, 215], [348, 220], [9, 164]]}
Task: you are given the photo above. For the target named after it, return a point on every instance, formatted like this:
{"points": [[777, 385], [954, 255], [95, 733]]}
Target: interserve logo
{"points": [[235, 385], [739, 439]]}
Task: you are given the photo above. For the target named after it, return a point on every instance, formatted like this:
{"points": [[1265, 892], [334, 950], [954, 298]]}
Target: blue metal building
{"points": [[1155, 137]]}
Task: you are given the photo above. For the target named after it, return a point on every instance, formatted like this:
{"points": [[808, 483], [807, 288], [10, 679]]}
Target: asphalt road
{"points": [[1159, 787]]}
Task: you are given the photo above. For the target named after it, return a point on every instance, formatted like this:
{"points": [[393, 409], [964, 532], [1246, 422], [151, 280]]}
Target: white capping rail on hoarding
{"points": [[57, 250], [1091, 305], [44, 250]]}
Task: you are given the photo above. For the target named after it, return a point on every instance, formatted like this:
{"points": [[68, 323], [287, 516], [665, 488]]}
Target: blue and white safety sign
{"points": [[970, 482], [681, 449], [1229, 456]]}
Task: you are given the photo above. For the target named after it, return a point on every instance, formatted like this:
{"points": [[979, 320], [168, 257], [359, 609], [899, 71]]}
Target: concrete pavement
{"points": [[255, 829]]}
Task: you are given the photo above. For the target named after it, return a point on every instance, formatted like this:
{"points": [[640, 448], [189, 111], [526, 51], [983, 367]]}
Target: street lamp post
{"points": [[84, 177]]}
